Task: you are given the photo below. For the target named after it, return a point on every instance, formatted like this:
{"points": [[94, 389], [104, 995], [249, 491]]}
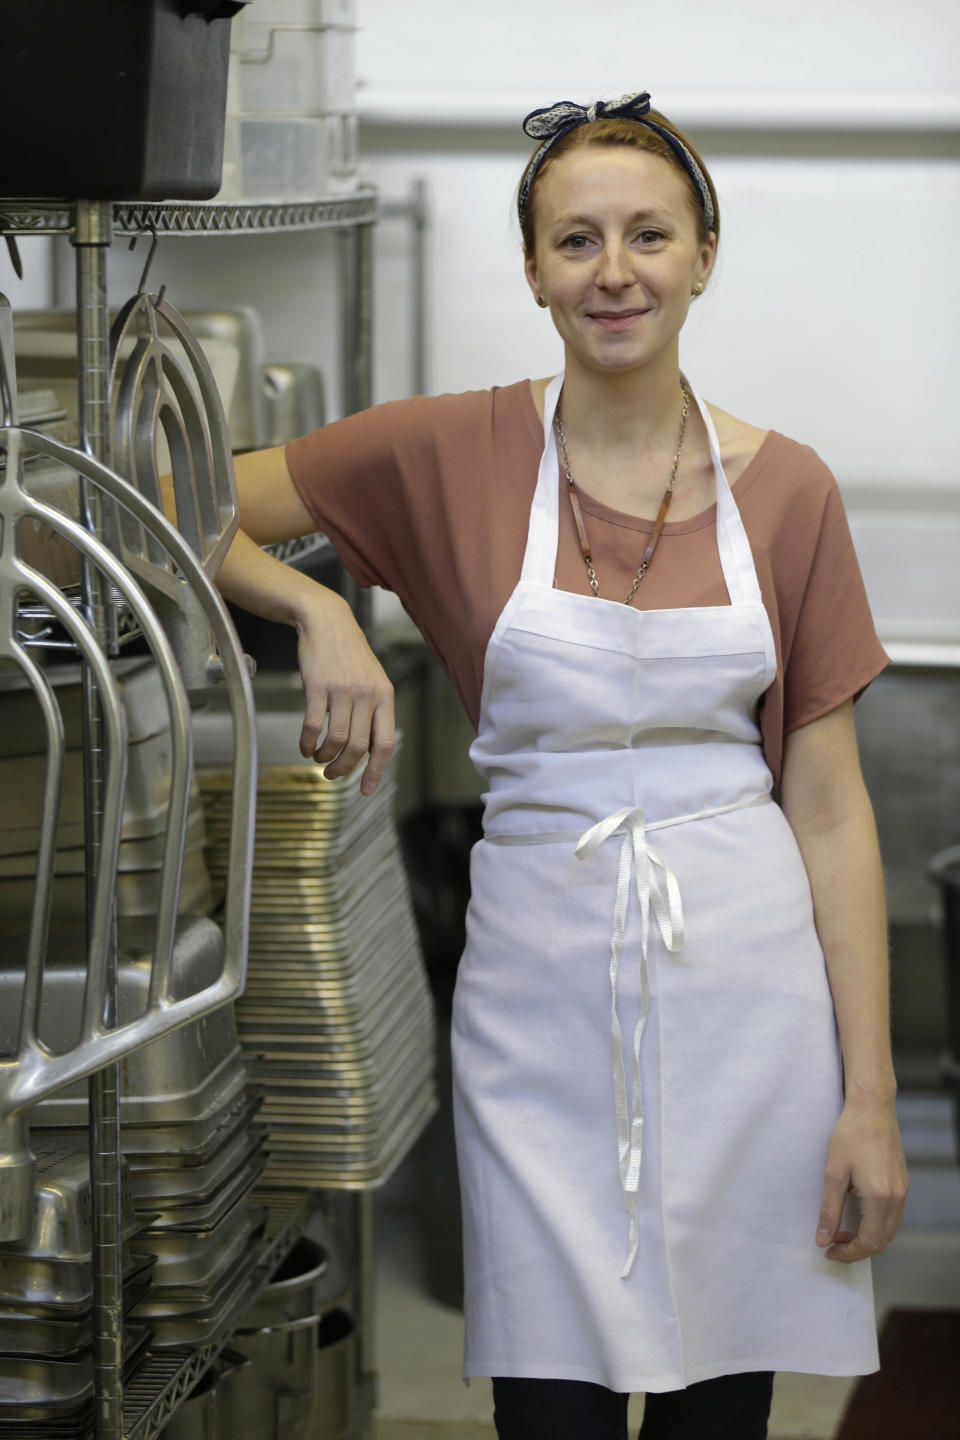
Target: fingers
{"points": [[335, 742], [872, 1237], [849, 1248], [880, 1216], [359, 722], [313, 723], [383, 735], [836, 1185]]}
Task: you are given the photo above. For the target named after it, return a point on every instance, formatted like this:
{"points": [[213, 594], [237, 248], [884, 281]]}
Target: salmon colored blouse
{"points": [[430, 498]]}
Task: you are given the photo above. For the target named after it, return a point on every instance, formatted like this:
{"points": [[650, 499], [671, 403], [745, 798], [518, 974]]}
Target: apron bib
{"points": [[646, 1064]]}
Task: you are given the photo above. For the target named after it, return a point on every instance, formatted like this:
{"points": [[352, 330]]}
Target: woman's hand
{"points": [[347, 690], [865, 1157]]}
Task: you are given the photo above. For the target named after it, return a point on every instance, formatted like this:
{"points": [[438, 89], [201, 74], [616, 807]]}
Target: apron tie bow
{"points": [[640, 857]]}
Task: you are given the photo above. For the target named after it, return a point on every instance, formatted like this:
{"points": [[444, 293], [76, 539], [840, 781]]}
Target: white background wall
{"points": [[858, 47], [831, 128]]}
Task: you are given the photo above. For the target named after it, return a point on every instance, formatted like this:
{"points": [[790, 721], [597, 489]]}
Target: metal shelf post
{"points": [[356, 342], [91, 238]]}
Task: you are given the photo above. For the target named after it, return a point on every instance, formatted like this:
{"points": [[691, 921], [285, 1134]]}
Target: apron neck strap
{"points": [[736, 557], [540, 556]]}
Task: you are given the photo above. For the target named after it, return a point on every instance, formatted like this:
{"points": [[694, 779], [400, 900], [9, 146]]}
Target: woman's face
{"points": [[617, 255]]}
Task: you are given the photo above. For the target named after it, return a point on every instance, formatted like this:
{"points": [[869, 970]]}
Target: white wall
{"points": [[832, 130], [34, 289], [538, 49]]}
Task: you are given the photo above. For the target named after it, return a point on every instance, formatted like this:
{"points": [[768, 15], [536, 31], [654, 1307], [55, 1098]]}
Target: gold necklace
{"points": [[661, 513]]}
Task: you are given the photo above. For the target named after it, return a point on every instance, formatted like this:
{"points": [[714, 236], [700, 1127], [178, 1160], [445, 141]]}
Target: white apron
{"points": [[646, 1064]]}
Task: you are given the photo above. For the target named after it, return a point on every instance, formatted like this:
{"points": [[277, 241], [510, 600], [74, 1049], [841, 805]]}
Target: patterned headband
{"points": [[555, 121]]}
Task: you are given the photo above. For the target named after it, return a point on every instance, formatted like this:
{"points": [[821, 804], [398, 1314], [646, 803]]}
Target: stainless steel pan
{"points": [[62, 1205], [175, 1076], [43, 1330], [205, 1324], [195, 1184], [44, 1388], [189, 1257], [210, 1211]]}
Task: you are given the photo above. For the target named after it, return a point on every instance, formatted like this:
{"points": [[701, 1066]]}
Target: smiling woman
{"points": [[617, 279], [670, 1035]]}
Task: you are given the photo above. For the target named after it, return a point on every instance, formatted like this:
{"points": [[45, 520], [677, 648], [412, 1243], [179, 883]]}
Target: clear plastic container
{"points": [[303, 12], [342, 153], [300, 70], [276, 157]]}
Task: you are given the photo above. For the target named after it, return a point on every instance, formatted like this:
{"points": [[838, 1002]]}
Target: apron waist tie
{"points": [[640, 857], [661, 895]]}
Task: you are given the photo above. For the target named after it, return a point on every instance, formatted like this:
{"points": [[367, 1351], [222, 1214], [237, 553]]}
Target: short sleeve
{"points": [[347, 477], [830, 647]]}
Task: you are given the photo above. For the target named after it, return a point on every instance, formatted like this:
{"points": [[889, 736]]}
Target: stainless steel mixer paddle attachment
{"points": [[161, 383], [30, 1067]]}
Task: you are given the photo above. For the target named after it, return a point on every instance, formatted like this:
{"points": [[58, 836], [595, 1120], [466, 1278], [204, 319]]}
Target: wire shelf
{"points": [[207, 217], [39, 629], [297, 552], [168, 1376]]}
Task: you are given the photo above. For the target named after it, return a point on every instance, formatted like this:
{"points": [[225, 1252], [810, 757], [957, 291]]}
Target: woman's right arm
{"points": [[344, 683]]}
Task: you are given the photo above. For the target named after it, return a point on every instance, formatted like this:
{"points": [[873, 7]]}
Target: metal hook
{"points": [[13, 250], [8, 365], [154, 242]]}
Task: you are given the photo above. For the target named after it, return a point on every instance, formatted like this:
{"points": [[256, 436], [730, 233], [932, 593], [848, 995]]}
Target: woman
{"points": [[654, 1138]]}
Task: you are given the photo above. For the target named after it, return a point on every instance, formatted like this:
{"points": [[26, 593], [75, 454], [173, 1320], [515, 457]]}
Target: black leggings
{"points": [[731, 1407]]}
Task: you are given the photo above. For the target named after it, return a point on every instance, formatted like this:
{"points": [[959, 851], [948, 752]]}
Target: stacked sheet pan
{"points": [[337, 1006]]}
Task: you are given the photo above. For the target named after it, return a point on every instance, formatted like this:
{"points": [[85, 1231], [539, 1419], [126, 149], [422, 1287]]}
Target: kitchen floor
{"points": [[420, 1324]]}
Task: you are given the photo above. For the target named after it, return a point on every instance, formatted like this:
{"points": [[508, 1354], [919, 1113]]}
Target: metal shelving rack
{"points": [[168, 1376]]}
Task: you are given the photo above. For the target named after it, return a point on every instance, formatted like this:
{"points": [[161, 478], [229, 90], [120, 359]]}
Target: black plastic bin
{"points": [[114, 99], [945, 870]]}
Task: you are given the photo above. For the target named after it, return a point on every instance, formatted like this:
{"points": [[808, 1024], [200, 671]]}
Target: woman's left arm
{"points": [[826, 802]]}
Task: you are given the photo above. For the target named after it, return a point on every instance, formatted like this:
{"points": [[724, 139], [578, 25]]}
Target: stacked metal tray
{"points": [[46, 1299], [337, 1007], [191, 1145]]}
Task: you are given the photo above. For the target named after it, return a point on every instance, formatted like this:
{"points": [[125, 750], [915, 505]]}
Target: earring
{"points": [[540, 301], [698, 288]]}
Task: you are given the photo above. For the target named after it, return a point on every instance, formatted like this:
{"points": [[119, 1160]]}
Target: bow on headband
{"points": [[566, 114], [552, 122]]}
